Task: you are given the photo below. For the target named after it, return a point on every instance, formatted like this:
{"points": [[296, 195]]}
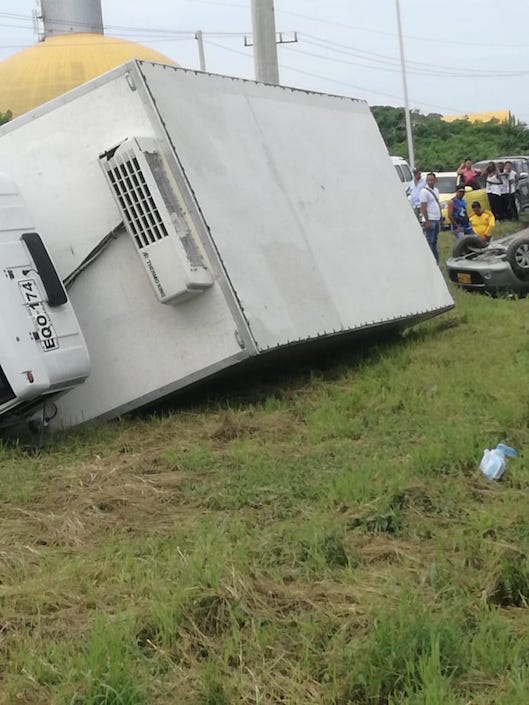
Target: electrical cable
{"points": [[447, 71], [430, 40], [342, 83], [279, 11], [432, 73]]}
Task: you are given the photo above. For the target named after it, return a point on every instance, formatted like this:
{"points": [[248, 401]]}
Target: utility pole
{"points": [[201, 56], [264, 35], [411, 155]]}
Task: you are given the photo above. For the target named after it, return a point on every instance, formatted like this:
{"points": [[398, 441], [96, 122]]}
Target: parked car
{"points": [[403, 172], [520, 165], [501, 265], [447, 183]]}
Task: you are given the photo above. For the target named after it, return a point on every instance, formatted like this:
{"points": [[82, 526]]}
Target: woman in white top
{"points": [[493, 189]]}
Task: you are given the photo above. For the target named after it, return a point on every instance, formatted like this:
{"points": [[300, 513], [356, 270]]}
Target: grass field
{"points": [[322, 536]]}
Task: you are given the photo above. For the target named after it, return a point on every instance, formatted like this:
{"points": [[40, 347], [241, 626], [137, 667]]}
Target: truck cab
{"points": [[42, 349]]}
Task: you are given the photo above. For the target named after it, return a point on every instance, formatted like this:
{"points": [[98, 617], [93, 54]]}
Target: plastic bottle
{"points": [[493, 461]]}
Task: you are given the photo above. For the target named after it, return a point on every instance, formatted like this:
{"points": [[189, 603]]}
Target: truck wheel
{"points": [[468, 244], [518, 257]]}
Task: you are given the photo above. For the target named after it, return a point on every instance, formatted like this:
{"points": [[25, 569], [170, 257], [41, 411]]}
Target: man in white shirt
{"points": [[512, 179], [431, 210], [416, 187]]}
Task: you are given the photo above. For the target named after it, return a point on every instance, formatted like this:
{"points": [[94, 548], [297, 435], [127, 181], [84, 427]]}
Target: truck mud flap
{"points": [[50, 279]]}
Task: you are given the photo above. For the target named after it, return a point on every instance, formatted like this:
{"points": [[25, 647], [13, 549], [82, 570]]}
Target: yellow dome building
{"points": [[61, 62]]}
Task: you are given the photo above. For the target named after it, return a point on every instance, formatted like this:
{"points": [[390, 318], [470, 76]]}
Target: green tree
{"points": [[5, 117], [441, 145]]}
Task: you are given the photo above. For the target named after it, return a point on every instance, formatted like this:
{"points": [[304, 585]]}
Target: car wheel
{"points": [[468, 244], [518, 257]]}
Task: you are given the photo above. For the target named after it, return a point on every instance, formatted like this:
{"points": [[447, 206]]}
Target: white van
{"points": [[403, 172]]}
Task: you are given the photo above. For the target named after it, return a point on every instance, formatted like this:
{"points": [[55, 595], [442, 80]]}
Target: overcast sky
{"points": [[461, 55]]}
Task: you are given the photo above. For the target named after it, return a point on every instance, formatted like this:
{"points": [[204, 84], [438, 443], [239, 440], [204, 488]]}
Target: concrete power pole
{"points": [[265, 48], [411, 153], [201, 55]]}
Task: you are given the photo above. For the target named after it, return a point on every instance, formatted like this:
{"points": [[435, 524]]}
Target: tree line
{"points": [[442, 146]]}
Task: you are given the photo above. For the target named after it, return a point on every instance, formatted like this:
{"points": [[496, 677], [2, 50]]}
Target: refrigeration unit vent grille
{"points": [[136, 202], [157, 218]]}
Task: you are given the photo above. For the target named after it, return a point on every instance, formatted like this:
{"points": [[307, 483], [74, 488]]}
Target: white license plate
{"points": [[45, 332]]}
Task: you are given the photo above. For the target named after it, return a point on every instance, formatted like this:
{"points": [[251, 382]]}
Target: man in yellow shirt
{"points": [[482, 222]]}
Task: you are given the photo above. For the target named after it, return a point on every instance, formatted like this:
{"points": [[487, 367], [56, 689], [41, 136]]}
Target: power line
{"points": [[370, 90], [120, 28], [338, 82], [233, 51], [13, 26], [319, 20], [297, 50], [322, 43], [143, 34], [147, 30], [379, 62], [391, 63], [436, 40], [15, 16]]}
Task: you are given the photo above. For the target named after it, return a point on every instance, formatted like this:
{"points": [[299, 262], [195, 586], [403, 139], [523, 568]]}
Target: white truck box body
{"points": [[288, 196]]}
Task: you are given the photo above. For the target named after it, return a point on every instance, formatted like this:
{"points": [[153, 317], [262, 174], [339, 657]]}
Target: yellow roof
{"points": [[500, 115], [42, 72]]}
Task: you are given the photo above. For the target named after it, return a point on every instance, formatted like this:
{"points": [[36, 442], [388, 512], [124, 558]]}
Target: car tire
{"points": [[518, 257], [468, 244]]}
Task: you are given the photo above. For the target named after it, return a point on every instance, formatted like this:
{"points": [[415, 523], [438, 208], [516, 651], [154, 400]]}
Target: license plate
{"points": [[464, 278], [44, 330]]}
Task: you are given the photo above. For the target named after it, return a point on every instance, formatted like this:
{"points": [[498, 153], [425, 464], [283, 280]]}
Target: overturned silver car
{"points": [[499, 266]]}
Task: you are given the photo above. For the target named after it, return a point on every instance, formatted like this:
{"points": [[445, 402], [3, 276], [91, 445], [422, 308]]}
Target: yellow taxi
{"points": [[447, 183]]}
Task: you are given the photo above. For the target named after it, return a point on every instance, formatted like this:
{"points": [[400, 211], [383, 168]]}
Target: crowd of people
{"points": [[500, 182]]}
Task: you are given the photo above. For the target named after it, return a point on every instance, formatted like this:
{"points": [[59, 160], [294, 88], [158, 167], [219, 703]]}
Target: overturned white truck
{"points": [[195, 221]]}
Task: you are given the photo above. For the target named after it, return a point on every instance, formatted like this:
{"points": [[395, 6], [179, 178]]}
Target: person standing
{"points": [[469, 175], [431, 211], [512, 178], [457, 214], [504, 190], [414, 196], [493, 189], [482, 222]]}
